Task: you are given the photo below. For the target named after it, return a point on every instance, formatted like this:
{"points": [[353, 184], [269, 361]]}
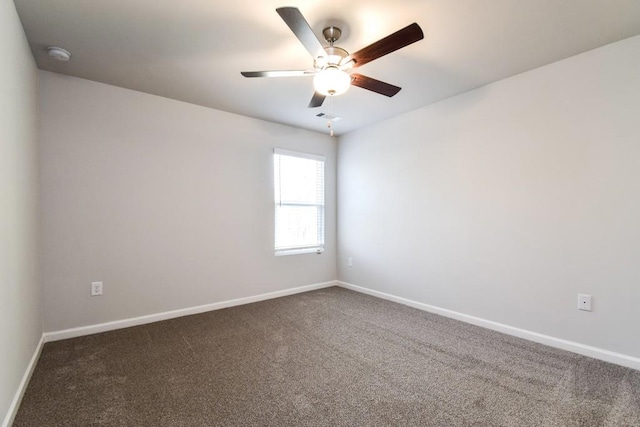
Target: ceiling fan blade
{"points": [[316, 100], [401, 38], [301, 28], [283, 73], [374, 85]]}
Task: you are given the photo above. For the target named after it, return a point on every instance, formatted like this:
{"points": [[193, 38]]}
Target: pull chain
{"points": [[331, 116]]}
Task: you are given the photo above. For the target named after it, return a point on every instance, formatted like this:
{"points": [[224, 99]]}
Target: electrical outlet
{"points": [[584, 302], [96, 289], [350, 262]]}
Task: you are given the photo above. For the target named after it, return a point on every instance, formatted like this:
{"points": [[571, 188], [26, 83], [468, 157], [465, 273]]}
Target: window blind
{"points": [[299, 202]]}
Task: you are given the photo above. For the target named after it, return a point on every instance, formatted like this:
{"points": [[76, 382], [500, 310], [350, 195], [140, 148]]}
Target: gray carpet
{"points": [[328, 357]]}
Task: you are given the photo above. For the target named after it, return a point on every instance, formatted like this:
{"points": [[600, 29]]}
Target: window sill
{"points": [[299, 251]]}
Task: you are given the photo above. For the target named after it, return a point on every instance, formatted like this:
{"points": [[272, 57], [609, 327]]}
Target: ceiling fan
{"points": [[331, 65]]}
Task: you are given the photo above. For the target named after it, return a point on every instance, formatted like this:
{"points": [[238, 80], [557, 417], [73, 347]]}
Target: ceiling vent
{"points": [[328, 117]]}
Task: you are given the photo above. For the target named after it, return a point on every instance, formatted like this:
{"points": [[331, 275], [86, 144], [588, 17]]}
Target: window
{"points": [[299, 202]]}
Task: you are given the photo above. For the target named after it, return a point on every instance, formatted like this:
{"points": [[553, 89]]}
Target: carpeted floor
{"points": [[325, 358]]}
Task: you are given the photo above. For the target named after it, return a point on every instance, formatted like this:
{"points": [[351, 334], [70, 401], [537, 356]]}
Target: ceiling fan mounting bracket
{"points": [[331, 34]]}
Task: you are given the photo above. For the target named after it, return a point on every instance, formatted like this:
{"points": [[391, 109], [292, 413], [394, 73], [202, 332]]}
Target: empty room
{"points": [[319, 213]]}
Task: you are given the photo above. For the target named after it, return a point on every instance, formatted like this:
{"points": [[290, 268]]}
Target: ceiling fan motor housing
{"points": [[334, 57]]}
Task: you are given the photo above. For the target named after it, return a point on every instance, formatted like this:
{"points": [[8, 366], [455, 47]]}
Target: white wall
{"points": [[169, 204], [20, 318], [505, 202]]}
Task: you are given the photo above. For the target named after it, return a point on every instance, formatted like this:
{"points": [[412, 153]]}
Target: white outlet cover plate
{"points": [[96, 288]]}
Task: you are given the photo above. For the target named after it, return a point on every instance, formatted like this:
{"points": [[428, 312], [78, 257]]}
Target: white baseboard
{"points": [[17, 398], [585, 350], [135, 321]]}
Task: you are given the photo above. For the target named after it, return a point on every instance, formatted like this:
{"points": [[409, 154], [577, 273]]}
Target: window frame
{"points": [[319, 247]]}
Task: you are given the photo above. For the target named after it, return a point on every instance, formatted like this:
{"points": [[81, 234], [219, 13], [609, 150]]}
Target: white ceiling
{"points": [[194, 50]]}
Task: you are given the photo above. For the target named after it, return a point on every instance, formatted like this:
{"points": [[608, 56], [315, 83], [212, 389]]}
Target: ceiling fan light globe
{"points": [[331, 82]]}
